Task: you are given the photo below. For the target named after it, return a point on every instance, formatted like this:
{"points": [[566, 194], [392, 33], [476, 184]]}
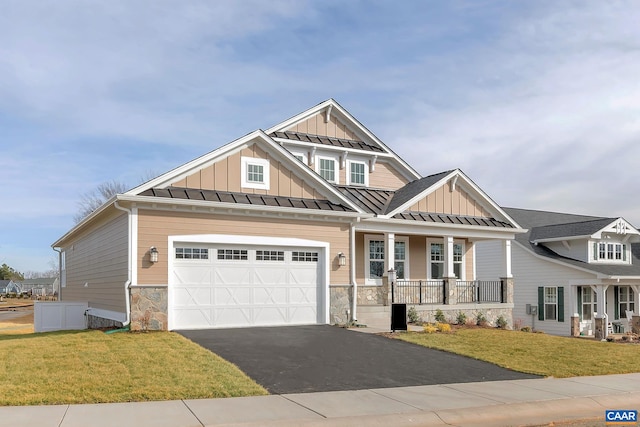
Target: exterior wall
{"points": [[456, 202], [418, 254], [316, 125], [224, 175], [99, 259], [340, 299], [490, 311], [386, 177], [149, 308], [155, 227], [578, 249], [530, 272]]}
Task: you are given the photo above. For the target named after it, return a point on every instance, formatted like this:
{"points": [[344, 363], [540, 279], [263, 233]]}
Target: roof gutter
{"points": [[127, 284]]}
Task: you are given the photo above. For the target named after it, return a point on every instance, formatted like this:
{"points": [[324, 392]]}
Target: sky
{"points": [[538, 102]]}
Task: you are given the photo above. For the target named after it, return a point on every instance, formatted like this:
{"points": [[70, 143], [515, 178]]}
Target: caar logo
{"points": [[621, 417]]}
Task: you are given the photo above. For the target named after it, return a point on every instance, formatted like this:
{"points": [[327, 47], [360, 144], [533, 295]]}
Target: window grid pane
{"points": [[269, 255], [357, 173], [192, 253], [255, 173], [328, 169], [233, 254], [304, 256]]}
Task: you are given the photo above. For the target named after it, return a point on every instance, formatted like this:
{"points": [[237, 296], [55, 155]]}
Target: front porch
{"points": [[605, 309]]}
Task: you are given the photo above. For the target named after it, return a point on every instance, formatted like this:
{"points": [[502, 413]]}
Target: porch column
{"points": [[389, 252], [506, 252], [448, 257], [601, 317], [573, 306], [635, 319]]}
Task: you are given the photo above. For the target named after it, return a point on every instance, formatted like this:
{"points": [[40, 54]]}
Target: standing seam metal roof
{"points": [[326, 140]]}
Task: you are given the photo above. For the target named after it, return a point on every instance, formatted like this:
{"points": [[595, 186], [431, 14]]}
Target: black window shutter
{"points": [[560, 303], [580, 301], [616, 303], [540, 303]]}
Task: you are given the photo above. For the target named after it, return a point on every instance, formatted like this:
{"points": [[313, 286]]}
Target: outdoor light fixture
{"points": [[153, 254], [392, 275], [342, 259]]}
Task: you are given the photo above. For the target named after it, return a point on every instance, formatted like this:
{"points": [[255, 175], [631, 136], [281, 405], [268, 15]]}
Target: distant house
{"points": [[296, 224], [41, 286], [577, 274], [9, 286]]}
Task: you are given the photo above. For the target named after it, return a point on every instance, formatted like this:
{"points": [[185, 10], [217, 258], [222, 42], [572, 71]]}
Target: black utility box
{"points": [[398, 317]]}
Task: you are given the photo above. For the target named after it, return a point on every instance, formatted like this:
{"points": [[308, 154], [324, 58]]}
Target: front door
{"points": [[587, 303]]}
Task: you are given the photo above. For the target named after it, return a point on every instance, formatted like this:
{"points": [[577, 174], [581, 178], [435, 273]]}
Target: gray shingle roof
{"points": [[572, 229], [325, 140], [532, 219], [412, 189], [247, 199]]}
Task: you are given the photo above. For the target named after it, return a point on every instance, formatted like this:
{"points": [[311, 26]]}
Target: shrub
{"points": [[481, 320], [443, 327], [526, 329], [430, 328], [412, 315], [501, 322], [461, 319], [439, 316]]}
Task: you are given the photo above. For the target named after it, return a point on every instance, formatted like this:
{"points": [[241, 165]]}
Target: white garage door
{"points": [[232, 286]]}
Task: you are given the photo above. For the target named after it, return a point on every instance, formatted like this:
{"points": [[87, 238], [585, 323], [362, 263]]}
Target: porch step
{"points": [[370, 315]]}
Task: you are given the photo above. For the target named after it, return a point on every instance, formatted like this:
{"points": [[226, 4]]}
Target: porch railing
{"points": [[480, 291], [418, 292], [434, 291]]}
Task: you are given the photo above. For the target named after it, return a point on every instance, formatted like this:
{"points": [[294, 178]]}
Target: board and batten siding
{"points": [[530, 272], [456, 202], [315, 125], [155, 227], [224, 175], [386, 177], [99, 259]]}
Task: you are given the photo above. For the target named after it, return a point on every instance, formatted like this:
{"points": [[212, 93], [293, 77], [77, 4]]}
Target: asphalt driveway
{"points": [[305, 359]]}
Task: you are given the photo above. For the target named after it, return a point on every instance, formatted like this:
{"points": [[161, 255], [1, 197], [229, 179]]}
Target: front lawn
{"points": [[533, 353], [92, 367]]}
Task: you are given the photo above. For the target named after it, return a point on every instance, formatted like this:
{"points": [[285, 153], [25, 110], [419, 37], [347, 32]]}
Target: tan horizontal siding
{"points": [[99, 258], [457, 202], [387, 177], [155, 227]]}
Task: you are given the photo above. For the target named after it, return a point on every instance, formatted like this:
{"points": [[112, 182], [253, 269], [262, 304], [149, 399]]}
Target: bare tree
{"points": [[92, 200]]}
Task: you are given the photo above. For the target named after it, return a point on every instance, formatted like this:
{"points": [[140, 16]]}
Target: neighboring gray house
{"points": [[41, 286], [577, 274], [7, 286]]}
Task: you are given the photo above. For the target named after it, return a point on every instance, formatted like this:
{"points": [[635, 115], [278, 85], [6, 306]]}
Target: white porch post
{"points": [[601, 318], [389, 252], [636, 298], [573, 292], [506, 251], [448, 257]]}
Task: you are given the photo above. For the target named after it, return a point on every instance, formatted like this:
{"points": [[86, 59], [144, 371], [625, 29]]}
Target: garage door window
{"points": [[232, 254], [304, 256], [192, 253], [269, 255]]}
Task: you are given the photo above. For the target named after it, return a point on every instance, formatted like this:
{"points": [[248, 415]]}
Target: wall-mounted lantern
{"points": [[153, 254], [342, 259]]}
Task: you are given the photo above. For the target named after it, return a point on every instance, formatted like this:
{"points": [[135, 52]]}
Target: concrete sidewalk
{"points": [[497, 403]]}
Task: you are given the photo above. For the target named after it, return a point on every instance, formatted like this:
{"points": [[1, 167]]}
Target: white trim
{"points": [[336, 167], [108, 314], [364, 163], [225, 239], [134, 245], [244, 175], [407, 263], [295, 143], [368, 281], [443, 241], [377, 225]]}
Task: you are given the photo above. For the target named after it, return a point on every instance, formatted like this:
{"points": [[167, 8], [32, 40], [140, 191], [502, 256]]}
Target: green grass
{"points": [[540, 354], [93, 367]]}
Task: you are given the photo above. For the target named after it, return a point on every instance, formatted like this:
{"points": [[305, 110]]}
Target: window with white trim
{"points": [[192, 253], [400, 259], [255, 173], [589, 303], [437, 260], [300, 156], [550, 303], [610, 251], [375, 260], [233, 254], [269, 255], [626, 301], [327, 169], [357, 173]]}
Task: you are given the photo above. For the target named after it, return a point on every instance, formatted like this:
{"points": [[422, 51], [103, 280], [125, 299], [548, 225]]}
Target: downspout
{"points": [[352, 258], [127, 284], [59, 274]]}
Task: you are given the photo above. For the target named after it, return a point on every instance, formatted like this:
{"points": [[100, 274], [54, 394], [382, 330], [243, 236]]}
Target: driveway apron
{"points": [[306, 359]]}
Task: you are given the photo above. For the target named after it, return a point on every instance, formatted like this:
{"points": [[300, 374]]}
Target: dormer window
{"points": [[327, 169], [357, 173], [616, 252], [255, 173]]}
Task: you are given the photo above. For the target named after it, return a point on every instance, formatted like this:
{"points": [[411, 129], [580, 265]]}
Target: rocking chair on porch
{"points": [[629, 315]]}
